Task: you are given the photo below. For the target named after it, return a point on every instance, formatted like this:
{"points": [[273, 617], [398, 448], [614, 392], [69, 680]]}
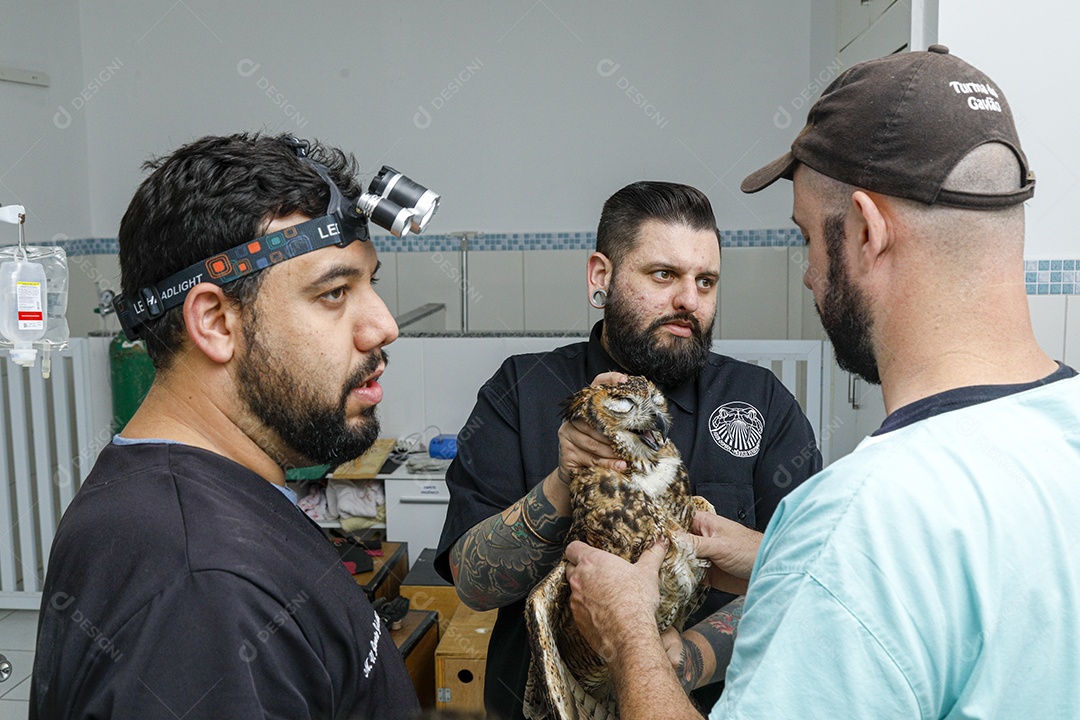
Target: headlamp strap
{"points": [[228, 266]]}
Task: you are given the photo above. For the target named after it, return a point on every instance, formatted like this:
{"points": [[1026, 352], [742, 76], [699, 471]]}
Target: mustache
{"points": [[690, 319], [368, 366]]}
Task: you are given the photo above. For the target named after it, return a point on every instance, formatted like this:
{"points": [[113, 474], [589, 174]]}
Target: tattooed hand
{"points": [[686, 658], [700, 656]]}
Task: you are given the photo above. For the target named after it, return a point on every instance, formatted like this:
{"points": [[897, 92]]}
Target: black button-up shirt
{"points": [[743, 437]]}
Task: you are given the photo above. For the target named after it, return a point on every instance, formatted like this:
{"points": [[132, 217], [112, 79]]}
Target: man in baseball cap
{"points": [[932, 572]]}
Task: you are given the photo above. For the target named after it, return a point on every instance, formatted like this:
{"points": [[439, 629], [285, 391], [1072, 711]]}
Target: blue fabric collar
{"points": [[962, 397]]}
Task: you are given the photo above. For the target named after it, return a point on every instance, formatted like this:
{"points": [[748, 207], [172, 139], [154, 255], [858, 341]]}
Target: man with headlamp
{"points": [[210, 594]]}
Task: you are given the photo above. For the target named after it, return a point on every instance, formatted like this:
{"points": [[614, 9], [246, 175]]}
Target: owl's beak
{"points": [[662, 425]]}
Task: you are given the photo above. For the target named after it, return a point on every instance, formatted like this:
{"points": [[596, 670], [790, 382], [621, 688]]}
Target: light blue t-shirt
{"points": [[932, 573]]}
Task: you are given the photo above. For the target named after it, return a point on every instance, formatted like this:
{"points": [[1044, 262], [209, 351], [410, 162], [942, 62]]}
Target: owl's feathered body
{"points": [[624, 513]]}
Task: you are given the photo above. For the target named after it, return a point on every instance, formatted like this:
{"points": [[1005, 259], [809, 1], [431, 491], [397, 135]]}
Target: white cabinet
{"points": [[1049, 321], [888, 29], [858, 410], [415, 509], [852, 20], [1071, 355]]}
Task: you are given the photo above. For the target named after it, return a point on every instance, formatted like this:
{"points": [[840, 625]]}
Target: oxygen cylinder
{"points": [[132, 375]]}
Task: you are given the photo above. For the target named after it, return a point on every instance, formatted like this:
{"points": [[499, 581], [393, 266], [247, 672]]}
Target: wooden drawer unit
{"points": [[427, 591], [417, 640], [384, 579]]}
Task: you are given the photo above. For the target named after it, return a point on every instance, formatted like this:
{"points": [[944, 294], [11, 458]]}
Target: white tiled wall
{"points": [[85, 274], [454, 369], [555, 291], [434, 381], [427, 278], [1048, 322], [754, 294], [403, 388], [496, 291], [761, 295], [388, 281], [508, 291]]}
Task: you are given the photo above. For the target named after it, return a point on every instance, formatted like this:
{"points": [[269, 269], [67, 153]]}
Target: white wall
{"points": [[533, 138], [43, 162], [518, 113], [1030, 51], [434, 381]]}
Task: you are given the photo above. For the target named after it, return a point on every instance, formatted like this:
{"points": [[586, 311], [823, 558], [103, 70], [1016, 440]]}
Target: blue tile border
{"points": [[84, 246], [1041, 277], [1052, 277], [783, 237], [487, 241]]}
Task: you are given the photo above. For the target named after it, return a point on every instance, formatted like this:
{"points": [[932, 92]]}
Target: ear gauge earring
{"points": [[598, 299]]}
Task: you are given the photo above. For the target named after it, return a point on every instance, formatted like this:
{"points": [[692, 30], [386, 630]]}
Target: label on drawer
{"points": [[429, 488]]}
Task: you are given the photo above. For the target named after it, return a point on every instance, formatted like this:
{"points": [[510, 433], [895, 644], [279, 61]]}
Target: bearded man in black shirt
{"points": [[745, 441]]}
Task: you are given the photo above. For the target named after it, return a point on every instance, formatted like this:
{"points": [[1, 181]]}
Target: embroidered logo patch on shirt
{"points": [[737, 427]]}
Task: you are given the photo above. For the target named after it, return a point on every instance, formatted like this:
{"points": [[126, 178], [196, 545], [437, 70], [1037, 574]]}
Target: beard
{"points": [[313, 429], [845, 312], [667, 360]]}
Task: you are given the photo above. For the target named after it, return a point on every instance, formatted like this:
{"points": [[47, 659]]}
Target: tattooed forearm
{"points": [[718, 635], [692, 666], [543, 519], [500, 559]]}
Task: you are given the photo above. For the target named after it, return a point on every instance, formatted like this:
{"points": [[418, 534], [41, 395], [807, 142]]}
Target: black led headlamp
{"points": [[393, 202]]}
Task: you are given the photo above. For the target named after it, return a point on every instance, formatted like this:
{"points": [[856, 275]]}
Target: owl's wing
{"points": [[548, 676], [552, 689]]}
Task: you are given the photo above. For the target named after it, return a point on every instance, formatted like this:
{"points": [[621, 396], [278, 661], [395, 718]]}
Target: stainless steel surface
{"points": [[414, 316]]}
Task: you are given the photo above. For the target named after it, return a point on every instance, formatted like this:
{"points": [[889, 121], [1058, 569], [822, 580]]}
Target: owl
{"points": [[623, 513]]}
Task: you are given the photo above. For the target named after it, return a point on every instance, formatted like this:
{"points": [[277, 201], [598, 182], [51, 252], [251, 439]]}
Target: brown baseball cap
{"points": [[898, 125]]}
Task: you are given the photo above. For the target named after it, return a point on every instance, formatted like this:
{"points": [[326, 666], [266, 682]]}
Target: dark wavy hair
{"points": [[627, 209], [211, 195]]}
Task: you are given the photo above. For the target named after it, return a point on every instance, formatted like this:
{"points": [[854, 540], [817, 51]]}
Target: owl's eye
{"points": [[618, 405]]}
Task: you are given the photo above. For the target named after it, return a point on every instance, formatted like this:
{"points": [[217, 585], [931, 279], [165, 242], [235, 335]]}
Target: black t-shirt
{"points": [[181, 584], [742, 435]]}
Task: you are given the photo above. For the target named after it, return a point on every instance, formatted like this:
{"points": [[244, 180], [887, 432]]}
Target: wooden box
{"points": [[367, 465], [384, 579], [426, 590], [417, 639], [460, 661]]}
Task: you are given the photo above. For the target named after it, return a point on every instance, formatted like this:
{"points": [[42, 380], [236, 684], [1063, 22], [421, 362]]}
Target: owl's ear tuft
{"points": [[574, 407]]}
